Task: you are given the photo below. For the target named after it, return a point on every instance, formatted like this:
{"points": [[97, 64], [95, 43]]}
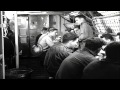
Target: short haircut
{"points": [[108, 36], [68, 29], [44, 29], [94, 43], [113, 51], [118, 33], [109, 30], [77, 26], [80, 16], [52, 29], [69, 36]]}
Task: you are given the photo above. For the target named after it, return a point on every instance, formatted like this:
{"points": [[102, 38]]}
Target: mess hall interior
{"points": [[18, 58]]}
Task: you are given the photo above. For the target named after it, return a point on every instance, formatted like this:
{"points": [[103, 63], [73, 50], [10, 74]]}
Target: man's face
{"points": [[117, 38], [54, 33], [78, 21], [106, 40], [74, 44], [12, 26], [76, 29]]}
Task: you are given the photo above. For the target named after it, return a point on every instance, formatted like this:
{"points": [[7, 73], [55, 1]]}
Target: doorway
{"points": [[36, 23], [29, 27]]}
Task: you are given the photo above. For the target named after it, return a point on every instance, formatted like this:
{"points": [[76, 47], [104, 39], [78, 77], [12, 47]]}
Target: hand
{"points": [[58, 38]]}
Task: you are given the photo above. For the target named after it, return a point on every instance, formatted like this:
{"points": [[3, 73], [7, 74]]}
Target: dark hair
{"points": [[80, 16], [113, 51], [69, 36], [52, 29], [94, 43], [68, 29], [77, 26], [44, 29], [108, 36], [109, 30], [118, 33]]}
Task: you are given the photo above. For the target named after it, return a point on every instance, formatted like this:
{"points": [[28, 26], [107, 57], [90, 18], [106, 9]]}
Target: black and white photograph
{"points": [[60, 45]]}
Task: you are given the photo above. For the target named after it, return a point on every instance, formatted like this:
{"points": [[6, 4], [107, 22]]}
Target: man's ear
{"points": [[97, 51], [82, 45], [69, 41], [109, 40]]}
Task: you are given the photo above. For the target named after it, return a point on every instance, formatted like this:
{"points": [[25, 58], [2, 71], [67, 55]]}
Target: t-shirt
{"points": [[72, 67], [54, 57], [45, 41]]}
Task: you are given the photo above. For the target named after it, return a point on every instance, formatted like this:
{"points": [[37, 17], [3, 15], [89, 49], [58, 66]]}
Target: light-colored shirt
{"points": [[46, 41], [85, 31]]}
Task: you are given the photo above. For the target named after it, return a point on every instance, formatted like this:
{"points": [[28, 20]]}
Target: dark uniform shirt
{"points": [[54, 57], [72, 67], [102, 70]]}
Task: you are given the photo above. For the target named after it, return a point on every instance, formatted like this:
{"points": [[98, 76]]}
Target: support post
{"points": [[16, 40], [3, 58]]}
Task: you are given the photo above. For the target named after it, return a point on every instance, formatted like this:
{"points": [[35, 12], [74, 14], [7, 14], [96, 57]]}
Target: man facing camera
{"points": [[86, 30]]}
